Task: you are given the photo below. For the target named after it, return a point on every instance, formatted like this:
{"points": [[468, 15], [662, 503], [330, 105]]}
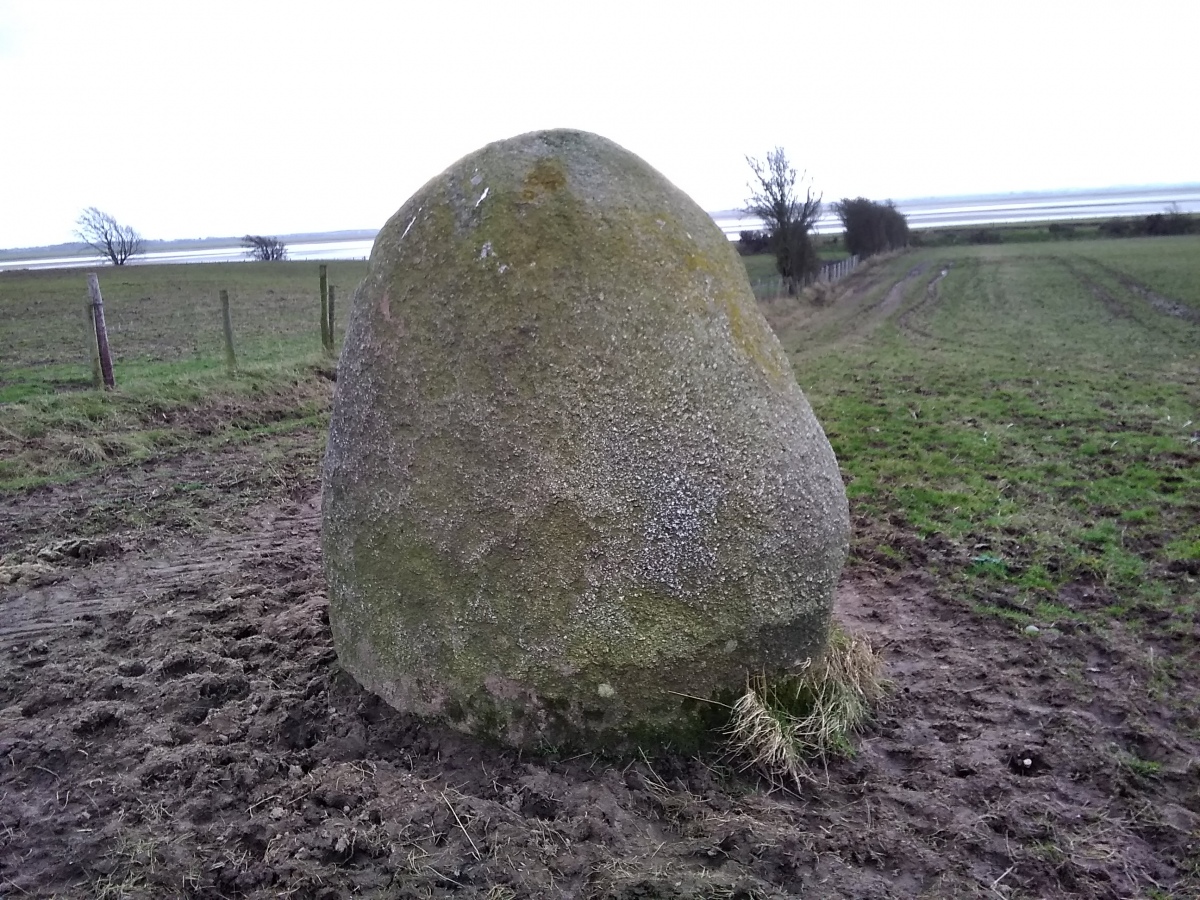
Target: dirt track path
{"points": [[856, 309], [894, 297]]}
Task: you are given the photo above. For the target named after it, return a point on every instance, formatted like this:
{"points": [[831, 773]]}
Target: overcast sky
{"points": [[221, 118]]}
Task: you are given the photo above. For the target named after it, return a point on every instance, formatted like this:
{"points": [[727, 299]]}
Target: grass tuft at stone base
{"points": [[782, 724]]}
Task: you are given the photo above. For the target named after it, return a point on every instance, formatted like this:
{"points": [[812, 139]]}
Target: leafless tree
{"points": [[788, 220], [264, 249], [106, 236]]}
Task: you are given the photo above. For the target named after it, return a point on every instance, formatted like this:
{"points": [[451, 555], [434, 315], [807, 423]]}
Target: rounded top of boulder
{"points": [[529, 216], [570, 476]]}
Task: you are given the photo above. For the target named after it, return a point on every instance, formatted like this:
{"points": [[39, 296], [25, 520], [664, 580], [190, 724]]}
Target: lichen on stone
{"points": [[571, 480]]}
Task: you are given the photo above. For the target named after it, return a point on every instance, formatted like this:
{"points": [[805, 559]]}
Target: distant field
{"points": [[164, 313], [1037, 409], [164, 326], [760, 266], [1046, 389], [1018, 427]]}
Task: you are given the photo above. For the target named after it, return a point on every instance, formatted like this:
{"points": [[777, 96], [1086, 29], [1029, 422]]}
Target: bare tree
{"points": [[264, 249], [788, 220], [106, 236]]}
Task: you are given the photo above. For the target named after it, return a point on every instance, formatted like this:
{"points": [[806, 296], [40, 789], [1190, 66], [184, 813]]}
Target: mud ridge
{"points": [[1115, 307], [1159, 302], [895, 296], [929, 299]]}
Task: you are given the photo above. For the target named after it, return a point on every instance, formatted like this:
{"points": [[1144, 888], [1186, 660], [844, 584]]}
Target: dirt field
{"points": [[173, 723]]}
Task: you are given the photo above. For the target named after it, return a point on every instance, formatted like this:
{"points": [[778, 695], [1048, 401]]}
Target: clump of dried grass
{"points": [[820, 293], [84, 450], [782, 724]]}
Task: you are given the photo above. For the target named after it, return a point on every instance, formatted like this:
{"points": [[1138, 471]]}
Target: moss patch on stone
{"points": [[570, 476]]}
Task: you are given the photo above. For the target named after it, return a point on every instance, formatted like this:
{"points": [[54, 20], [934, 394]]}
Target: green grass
{"points": [[1165, 264], [173, 391], [1026, 429], [165, 314], [760, 266], [1019, 432], [1135, 765]]}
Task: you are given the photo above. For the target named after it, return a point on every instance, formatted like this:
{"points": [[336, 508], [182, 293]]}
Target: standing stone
{"points": [[571, 482]]}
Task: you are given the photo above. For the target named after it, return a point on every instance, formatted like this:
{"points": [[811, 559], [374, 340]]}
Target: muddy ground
{"points": [[173, 723]]}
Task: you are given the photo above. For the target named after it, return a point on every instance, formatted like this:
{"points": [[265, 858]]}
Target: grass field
{"points": [[164, 326], [1031, 414], [1018, 426], [1034, 391]]}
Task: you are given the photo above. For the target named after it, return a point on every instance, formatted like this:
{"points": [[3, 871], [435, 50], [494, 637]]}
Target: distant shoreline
{"points": [[77, 248], [922, 212]]}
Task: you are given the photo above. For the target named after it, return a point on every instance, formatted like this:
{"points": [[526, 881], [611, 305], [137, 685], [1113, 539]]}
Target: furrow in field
{"points": [[1160, 303], [906, 321], [894, 298], [1115, 307], [1130, 302], [849, 310]]}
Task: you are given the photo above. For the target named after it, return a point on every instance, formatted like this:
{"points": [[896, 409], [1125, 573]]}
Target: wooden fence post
{"points": [[89, 326], [106, 369], [227, 325], [324, 306], [329, 348]]}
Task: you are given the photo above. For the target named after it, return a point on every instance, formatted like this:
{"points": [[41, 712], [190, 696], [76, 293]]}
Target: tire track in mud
{"points": [[856, 316], [1161, 303], [1119, 308], [864, 321], [895, 296], [63, 598], [1099, 292], [847, 311], [905, 320]]}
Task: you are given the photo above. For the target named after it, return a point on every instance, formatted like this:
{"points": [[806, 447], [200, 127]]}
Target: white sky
{"points": [[222, 118]]}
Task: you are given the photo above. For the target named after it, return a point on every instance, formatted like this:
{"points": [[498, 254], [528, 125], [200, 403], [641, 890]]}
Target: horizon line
{"points": [[734, 212]]}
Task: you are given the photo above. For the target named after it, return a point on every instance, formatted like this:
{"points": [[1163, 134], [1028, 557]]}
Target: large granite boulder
{"points": [[571, 482]]}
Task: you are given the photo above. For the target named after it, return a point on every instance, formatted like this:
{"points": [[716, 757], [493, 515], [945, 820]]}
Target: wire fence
{"points": [[776, 285]]}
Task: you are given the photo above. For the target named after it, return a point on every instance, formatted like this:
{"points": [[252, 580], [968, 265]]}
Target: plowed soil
{"points": [[174, 723]]}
